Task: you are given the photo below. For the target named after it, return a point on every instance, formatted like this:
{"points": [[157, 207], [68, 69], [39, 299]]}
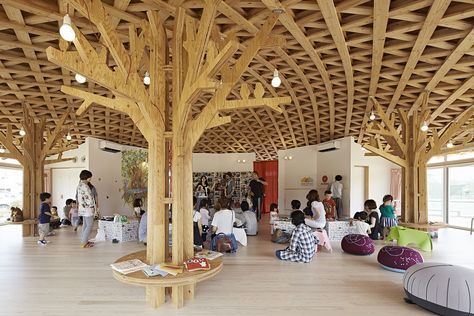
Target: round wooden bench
{"points": [[182, 285]]}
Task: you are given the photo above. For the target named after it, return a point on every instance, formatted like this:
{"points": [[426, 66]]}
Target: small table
{"points": [[287, 226], [120, 231], [155, 286], [338, 229]]}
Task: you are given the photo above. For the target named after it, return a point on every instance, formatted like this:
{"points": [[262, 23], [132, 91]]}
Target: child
{"points": [[44, 217], [359, 224], [296, 205], [370, 208], [55, 220], [73, 215], [273, 213], [329, 206], [302, 243], [205, 217], [387, 214], [65, 215]]}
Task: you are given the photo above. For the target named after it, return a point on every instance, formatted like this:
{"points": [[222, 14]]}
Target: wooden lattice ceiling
{"points": [[337, 53]]}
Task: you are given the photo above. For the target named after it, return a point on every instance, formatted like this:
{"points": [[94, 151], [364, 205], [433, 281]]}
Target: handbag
{"points": [[280, 237], [224, 243]]}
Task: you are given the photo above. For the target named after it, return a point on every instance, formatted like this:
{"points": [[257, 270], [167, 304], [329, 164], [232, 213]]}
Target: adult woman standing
{"points": [[86, 196], [318, 220]]}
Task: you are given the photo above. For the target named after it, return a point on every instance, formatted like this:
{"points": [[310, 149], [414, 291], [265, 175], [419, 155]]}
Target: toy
{"points": [[405, 236]]}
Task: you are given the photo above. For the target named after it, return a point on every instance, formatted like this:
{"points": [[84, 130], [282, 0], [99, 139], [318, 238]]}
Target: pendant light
{"points": [[450, 144], [22, 132], [147, 79], [68, 136], [2, 150], [372, 116], [66, 31], [276, 81], [424, 127], [80, 78]]}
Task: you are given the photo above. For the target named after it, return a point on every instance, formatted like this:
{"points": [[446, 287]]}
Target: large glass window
{"points": [[436, 194], [11, 190], [461, 195]]}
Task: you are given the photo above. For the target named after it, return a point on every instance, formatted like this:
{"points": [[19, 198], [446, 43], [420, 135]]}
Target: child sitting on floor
{"points": [[388, 218], [55, 219], [329, 206], [359, 224], [302, 243]]}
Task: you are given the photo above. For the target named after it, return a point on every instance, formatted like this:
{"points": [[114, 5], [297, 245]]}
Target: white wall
{"points": [[307, 161], [379, 174], [290, 172], [223, 162]]}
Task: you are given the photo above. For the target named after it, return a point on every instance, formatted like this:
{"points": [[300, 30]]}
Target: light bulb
{"points": [[66, 31], [146, 79], [68, 136], [22, 132], [2, 150], [424, 127], [243, 161], [372, 116], [276, 81], [80, 78], [290, 157], [450, 144]]}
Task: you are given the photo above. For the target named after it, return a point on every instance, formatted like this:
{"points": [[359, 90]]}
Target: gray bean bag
{"points": [[441, 288]]}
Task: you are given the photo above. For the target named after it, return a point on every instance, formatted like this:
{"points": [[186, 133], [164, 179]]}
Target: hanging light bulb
{"points": [[66, 31], [22, 132], [372, 116], [276, 81], [450, 144], [2, 150], [424, 127], [80, 78], [68, 136], [146, 79]]}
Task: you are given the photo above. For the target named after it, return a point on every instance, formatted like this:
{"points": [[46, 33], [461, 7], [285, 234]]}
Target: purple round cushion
{"points": [[357, 245], [398, 259]]}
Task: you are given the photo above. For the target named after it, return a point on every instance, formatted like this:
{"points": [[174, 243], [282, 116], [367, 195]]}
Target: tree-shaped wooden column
{"points": [[35, 147], [411, 148], [200, 61]]}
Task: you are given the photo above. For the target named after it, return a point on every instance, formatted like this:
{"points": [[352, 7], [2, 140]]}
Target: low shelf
{"points": [[181, 285]]}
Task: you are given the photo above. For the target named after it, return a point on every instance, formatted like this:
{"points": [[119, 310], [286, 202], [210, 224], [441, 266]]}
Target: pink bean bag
{"points": [[397, 258], [357, 245]]}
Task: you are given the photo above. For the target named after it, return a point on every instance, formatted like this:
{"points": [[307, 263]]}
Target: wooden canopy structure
{"points": [[210, 65]]}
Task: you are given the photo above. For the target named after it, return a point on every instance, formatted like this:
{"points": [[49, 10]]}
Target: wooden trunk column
{"points": [[157, 242]]}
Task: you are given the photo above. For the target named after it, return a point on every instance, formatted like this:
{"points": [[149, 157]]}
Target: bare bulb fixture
{"points": [[2, 150], [22, 132], [68, 136], [276, 81], [146, 79], [80, 78], [372, 116], [450, 144], [66, 31], [424, 127]]}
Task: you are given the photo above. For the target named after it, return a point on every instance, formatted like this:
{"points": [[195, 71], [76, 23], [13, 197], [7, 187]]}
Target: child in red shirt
{"points": [[329, 206]]}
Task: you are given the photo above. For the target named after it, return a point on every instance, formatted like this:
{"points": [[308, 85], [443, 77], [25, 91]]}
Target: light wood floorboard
{"points": [[64, 279]]}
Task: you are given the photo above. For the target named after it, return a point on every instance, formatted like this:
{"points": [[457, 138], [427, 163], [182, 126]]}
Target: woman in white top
{"points": [[319, 214], [223, 220]]}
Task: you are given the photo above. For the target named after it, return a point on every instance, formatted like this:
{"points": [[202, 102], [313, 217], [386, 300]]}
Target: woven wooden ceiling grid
{"points": [[337, 53]]}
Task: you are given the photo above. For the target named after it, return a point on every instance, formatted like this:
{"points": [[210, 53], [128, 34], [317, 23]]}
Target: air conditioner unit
{"points": [[329, 146], [109, 147]]}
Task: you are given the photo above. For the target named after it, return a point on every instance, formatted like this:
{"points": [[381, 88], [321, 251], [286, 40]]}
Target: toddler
{"points": [[387, 214]]}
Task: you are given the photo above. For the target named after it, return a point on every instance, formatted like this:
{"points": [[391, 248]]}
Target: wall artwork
{"points": [[214, 185]]}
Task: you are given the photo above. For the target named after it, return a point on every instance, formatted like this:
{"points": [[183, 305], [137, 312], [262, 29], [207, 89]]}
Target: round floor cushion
{"points": [[357, 244], [441, 288], [397, 258]]}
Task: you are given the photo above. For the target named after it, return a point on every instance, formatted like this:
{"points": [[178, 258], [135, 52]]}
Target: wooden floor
{"points": [[64, 279]]}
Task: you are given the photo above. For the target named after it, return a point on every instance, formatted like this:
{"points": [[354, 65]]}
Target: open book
{"points": [[129, 266], [208, 254]]}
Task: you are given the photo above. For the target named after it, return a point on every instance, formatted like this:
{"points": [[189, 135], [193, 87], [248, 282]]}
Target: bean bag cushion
{"points": [[357, 245], [398, 259], [441, 288]]}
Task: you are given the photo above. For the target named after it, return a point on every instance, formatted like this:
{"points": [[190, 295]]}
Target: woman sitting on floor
{"points": [[302, 243]]}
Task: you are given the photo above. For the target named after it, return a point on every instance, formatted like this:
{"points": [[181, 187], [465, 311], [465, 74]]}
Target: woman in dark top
{"points": [[370, 207]]}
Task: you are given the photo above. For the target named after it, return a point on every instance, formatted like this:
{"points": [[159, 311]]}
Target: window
{"points": [[461, 195], [436, 194], [11, 190], [460, 156]]}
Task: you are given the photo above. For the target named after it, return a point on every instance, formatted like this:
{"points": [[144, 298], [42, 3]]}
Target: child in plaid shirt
{"points": [[302, 243]]}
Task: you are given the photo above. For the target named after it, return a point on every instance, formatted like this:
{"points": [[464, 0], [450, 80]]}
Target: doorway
{"points": [[360, 187]]}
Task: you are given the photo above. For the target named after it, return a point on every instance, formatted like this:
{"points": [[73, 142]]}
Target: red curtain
{"points": [[269, 171]]}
